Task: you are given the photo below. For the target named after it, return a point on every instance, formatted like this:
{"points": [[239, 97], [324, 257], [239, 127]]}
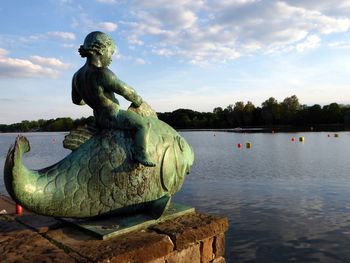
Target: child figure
{"points": [[94, 84]]}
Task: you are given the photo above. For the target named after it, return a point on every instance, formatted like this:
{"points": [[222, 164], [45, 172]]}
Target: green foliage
{"points": [[238, 114], [271, 113], [59, 124]]}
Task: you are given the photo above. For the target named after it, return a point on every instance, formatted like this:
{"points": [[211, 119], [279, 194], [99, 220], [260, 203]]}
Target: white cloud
{"points": [[339, 44], [222, 30], [83, 22], [23, 68], [107, 26], [311, 42], [51, 62], [134, 40], [35, 66], [341, 8], [63, 35]]}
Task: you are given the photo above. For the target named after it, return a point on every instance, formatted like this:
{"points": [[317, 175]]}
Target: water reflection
{"points": [[286, 202]]}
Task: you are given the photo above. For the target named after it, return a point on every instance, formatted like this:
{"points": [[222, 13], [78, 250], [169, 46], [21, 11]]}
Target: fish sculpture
{"points": [[99, 176], [133, 161]]}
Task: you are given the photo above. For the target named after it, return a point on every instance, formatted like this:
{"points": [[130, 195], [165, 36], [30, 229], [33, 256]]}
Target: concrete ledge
{"points": [[189, 229], [20, 244], [33, 238]]}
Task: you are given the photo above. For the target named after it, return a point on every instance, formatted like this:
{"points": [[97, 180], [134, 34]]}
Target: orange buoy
{"points": [[19, 209], [239, 145], [292, 139]]}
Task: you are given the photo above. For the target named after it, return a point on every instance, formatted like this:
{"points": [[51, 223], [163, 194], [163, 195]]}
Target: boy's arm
{"points": [[75, 95], [118, 86]]}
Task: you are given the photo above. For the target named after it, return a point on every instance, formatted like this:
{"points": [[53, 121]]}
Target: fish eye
{"points": [[182, 143]]}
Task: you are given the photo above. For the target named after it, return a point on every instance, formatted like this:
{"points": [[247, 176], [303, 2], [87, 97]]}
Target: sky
{"points": [[193, 54]]}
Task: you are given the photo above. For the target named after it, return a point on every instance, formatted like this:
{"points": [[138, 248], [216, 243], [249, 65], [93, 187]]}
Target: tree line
{"points": [[272, 113], [58, 124], [289, 112]]}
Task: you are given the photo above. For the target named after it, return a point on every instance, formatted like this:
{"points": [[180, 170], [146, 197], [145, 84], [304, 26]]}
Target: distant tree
{"points": [[218, 119], [60, 124], [347, 115], [24, 126], [289, 108], [238, 113], [332, 113], [257, 117], [218, 110], [314, 114], [248, 112], [271, 112], [182, 118], [229, 116]]}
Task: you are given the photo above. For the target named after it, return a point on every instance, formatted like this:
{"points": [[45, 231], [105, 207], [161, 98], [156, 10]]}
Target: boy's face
{"points": [[106, 58]]}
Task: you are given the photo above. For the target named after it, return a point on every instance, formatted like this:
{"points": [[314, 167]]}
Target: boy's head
{"points": [[98, 44]]}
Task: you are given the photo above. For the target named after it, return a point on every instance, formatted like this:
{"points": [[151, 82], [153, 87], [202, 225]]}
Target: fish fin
{"points": [[159, 206], [78, 136]]}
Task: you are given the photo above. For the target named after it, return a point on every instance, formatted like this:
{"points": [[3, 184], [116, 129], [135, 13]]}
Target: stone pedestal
{"points": [[190, 238]]}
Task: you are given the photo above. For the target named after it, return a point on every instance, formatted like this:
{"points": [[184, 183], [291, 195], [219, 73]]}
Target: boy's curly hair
{"points": [[95, 42]]}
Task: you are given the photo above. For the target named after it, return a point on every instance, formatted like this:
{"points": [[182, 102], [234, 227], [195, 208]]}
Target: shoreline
{"points": [[252, 129]]}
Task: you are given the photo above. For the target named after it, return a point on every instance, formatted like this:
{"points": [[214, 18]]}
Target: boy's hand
{"points": [[144, 110], [136, 103]]}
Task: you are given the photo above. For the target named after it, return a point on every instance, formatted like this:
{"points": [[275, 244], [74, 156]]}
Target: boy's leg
{"points": [[132, 121]]}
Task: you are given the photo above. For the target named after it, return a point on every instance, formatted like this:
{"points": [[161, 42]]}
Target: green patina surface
{"points": [[131, 162]]}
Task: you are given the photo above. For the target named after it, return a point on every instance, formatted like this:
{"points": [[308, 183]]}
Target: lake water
{"points": [[286, 201]]}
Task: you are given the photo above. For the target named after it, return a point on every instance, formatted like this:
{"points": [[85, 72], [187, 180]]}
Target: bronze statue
{"points": [[95, 85], [132, 162]]}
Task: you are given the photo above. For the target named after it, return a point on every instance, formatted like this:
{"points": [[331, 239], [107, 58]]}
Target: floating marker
{"points": [[336, 135], [248, 145], [239, 145], [19, 209], [301, 139], [328, 135], [292, 139]]}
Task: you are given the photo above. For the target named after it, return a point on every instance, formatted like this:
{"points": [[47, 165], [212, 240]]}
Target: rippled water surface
{"points": [[286, 201]]}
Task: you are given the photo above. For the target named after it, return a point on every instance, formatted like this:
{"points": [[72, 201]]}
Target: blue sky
{"points": [[196, 54]]}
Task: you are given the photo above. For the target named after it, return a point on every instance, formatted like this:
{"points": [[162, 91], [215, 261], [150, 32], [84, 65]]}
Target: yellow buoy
{"points": [[248, 145], [336, 135], [301, 139]]}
